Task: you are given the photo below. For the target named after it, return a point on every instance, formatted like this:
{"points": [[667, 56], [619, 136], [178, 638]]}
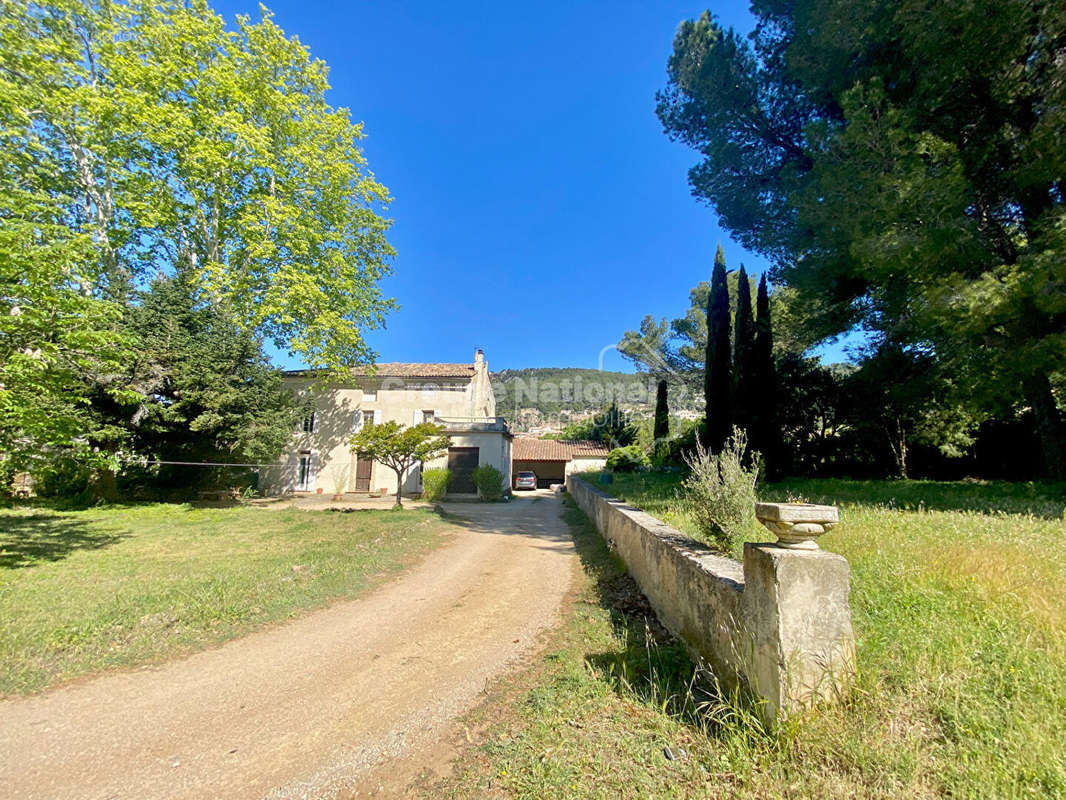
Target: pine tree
{"points": [[762, 428], [209, 392], [743, 352], [615, 430], [717, 376], [662, 414]]}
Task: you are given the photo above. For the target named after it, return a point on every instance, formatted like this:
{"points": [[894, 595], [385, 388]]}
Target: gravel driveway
{"points": [[307, 708]]}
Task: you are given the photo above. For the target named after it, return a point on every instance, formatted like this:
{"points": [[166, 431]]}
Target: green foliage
{"points": [[676, 348], [613, 428], [399, 447], [57, 333], [586, 430], [813, 419], [661, 428], [138, 137], [7, 478], [721, 491], [761, 395], [627, 459], [66, 479], [610, 427], [895, 160], [743, 353], [435, 484], [208, 392], [900, 395], [489, 482], [717, 376]]}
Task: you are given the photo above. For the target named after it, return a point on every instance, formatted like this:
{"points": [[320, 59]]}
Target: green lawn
{"points": [[84, 591], [957, 606]]}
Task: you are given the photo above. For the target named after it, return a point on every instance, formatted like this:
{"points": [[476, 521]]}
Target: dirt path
{"points": [[305, 709]]}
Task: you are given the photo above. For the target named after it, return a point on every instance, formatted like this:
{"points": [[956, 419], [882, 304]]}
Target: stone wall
{"points": [[779, 623]]}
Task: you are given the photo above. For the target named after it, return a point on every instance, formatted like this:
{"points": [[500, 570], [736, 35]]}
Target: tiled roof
{"points": [[401, 370], [405, 370], [525, 449]]}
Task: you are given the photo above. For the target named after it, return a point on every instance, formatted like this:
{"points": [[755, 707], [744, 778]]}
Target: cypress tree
{"points": [[662, 414], [717, 375], [763, 433], [743, 352]]}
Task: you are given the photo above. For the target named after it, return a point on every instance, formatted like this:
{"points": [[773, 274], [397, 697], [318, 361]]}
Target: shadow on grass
{"points": [[651, 663], [27, 540]]}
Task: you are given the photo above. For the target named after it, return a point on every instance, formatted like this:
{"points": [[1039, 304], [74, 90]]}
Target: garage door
{"points": [[461, 462]]}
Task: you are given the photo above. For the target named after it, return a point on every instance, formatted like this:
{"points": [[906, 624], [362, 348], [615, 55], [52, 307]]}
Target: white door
{"points": [[305, 476]]}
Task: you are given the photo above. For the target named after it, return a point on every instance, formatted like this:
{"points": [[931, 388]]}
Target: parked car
{"points": [[525, 480]]}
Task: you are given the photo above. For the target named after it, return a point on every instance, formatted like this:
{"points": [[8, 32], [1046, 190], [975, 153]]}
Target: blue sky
{"points": [[539, 209]]}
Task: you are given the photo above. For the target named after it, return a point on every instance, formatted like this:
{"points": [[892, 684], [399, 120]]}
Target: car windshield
{"points": [[526, 475]]}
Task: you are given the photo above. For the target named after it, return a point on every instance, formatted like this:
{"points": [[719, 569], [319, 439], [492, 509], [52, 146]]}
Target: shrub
{"points": [[7, 478], [435, 484], [65, 479], [627, 459], [721, 491], [489, 481], [684, 444]]}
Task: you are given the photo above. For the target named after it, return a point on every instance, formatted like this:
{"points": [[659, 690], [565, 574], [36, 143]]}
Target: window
{"points": [[363, 419], [309, 423], [370, 395], [428, 415]]}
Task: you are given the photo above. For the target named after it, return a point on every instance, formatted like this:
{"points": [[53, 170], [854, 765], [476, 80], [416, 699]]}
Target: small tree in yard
{"points": [[721, 490], [399, 447]]}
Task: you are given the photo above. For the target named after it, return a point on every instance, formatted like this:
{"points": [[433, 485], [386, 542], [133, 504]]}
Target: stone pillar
{"points": [[796, 616]]}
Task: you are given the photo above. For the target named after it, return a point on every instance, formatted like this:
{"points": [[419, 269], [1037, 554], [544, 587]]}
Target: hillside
{"points": [[552, 396]]}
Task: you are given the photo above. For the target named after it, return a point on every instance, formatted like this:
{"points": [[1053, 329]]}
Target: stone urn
{"points": [[797, 525]]}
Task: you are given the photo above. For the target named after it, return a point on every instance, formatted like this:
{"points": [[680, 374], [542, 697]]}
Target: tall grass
{"points": [[956, 602]]}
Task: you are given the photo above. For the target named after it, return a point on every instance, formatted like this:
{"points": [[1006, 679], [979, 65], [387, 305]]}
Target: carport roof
{"points": [[526, 449]]}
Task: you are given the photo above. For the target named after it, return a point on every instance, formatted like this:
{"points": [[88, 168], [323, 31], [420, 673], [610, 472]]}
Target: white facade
{"points": [[581, 463], [459, 396]]}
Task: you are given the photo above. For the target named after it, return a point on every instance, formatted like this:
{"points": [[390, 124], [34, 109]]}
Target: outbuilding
{"points": [[552, 459]]}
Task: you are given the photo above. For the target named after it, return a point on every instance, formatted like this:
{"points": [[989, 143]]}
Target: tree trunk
{"points": [[1049, 427], [104, 486], [897, 440], [399, 488]]}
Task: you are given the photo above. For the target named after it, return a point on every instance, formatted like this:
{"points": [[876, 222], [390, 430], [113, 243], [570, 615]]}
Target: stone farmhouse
{"points": [[458, 396]]}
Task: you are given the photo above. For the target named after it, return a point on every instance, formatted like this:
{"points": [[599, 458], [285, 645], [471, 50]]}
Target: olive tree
{"points": [[399, 447]]}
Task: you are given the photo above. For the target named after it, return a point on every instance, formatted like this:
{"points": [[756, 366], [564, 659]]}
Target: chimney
{"points": [[479, 355]]}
